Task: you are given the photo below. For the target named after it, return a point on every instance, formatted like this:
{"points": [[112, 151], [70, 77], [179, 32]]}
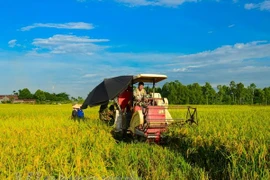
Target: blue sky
{"points": [[70, 46]]}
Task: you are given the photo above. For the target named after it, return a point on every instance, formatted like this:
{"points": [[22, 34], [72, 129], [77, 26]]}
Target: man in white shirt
{"points": [[140, 94]]}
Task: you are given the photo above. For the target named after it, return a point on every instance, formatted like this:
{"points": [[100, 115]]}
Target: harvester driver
{"points": [[140, 95]]}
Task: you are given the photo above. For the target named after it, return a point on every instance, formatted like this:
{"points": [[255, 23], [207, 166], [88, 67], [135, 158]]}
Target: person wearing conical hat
{"points": [[77, 111]]}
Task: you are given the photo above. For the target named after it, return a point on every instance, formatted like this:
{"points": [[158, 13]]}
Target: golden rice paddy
{"points": [[41, 141]]}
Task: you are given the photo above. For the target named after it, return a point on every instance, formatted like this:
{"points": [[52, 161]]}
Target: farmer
{"points": [[140, 95], [77, 112], [106, 114]]}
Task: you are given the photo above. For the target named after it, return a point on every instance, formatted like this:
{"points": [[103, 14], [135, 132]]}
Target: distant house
{"points": [[18, 101], [26, 101], [6, 98], [15, 99]]}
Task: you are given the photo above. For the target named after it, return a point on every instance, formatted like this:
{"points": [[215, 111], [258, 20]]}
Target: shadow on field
{"points": [[122, 137], [213, 159], [77, 119]]}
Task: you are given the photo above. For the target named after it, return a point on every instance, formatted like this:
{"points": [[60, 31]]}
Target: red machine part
{"points": [[156, 123], [124, 98], [154, 117]]}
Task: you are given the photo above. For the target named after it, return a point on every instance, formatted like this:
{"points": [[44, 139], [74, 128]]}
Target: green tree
{"points": [[251, 91], [25, 94], [240, 88], [233, 91], [40, 95], [165, 90], [158, 90], [221, 93], [73, 99], [62, 96], [184, 94], [260, 96], [196, 95], [172, 97], [208, 93], [174, 91], [15, 93], [80, 99], [267, 95], [178, 92], [49, 96]]}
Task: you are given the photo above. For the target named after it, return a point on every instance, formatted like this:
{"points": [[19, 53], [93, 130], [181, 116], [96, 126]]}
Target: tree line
{"points": [[178, 93], [43, 96], [234, 93]]}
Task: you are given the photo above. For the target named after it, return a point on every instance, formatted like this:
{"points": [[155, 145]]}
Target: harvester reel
{"points": [[191, 116]]}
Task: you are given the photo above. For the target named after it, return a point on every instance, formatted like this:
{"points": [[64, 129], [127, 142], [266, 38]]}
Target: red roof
{"points": [[15, 97]]}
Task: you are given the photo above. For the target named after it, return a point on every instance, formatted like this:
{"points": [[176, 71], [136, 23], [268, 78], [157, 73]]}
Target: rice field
{"points": [[41, 141]]}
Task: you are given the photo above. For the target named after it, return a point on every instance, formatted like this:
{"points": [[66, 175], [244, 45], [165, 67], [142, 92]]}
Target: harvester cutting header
{"points": [[144, 115]]}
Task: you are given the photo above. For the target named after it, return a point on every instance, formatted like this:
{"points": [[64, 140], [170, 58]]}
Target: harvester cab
{"points": [[150, 120]]}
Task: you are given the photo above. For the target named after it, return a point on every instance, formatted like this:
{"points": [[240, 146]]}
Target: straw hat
{"points": [[76, 106]]}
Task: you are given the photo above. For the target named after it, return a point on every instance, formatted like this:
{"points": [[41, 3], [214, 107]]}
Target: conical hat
{"points": [[76, 106]]}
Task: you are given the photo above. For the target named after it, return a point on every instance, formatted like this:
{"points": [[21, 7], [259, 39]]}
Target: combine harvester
{"points": [[143, 122]]}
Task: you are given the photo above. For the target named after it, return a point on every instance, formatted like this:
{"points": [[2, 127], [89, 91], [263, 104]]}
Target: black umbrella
{"points": [[107, 90]]}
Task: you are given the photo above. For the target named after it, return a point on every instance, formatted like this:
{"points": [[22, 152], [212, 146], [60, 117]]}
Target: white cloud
{"points": [[12, 43], [187, 68], [179, 69], [231, 25], [89, 75], [227, 54], [61, 44], [136, 2], [70, 25], [244, 62], [250, 69], [263, 6], [170, 3], [250, 6], [78, 74]]}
